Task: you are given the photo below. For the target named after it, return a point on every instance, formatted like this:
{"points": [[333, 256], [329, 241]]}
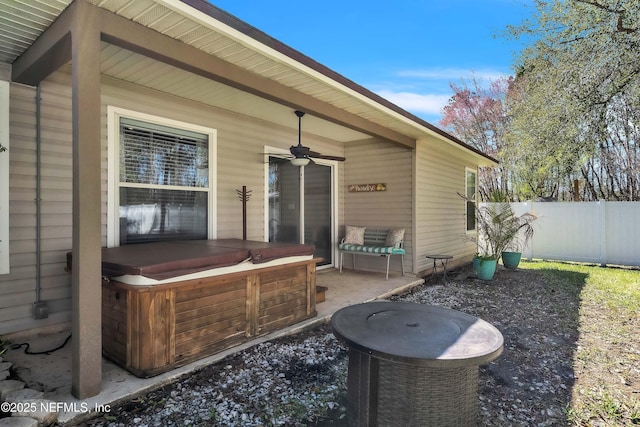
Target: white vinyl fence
{"points": [[597, 232]]}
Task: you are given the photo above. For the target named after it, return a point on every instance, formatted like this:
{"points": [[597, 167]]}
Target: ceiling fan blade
{"points": [[277, 157], [325, 157]]}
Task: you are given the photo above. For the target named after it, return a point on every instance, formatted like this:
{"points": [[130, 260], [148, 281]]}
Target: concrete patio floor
{"points": [[52, 373]]}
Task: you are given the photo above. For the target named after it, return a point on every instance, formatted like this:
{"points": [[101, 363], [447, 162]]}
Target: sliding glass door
{"points": [[301, 205], [317, 210]]}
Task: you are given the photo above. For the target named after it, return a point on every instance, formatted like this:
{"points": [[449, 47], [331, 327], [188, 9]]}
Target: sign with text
{"points": [[364, 188]]}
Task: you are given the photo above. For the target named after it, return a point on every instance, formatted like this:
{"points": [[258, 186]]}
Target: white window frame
{"points": [[114, 114], [4, 178], [466, 193]]}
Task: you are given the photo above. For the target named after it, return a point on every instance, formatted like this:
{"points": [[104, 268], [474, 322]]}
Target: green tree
{"points": [[576, 111]]}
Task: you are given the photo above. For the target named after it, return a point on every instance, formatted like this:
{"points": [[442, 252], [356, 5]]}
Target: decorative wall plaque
{"points": [[363, 188]]}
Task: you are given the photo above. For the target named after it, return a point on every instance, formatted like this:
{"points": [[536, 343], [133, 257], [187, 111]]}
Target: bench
{"points": [[374, 243]]}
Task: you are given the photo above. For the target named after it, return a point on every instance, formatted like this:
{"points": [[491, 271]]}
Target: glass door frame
{"points": [[333, 165]]}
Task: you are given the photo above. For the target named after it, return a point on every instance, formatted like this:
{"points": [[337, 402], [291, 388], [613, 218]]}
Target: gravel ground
{"points": [[300, 380]]}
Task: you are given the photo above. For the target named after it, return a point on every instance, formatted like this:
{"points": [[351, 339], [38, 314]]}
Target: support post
{"points": [[86, 369]]}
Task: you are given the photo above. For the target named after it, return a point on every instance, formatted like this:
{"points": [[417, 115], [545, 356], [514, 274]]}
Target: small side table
{"points": [[444, 259]]}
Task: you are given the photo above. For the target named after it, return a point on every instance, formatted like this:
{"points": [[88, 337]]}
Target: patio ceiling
{"points": [[204, 27], [124, 65]]}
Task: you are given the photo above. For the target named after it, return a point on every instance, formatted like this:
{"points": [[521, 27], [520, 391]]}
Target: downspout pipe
{"points": [[38, 192], [40, 308]]}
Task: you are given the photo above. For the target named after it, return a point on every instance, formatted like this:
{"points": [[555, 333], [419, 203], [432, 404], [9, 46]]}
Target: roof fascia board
{"points": [[483, 159]]}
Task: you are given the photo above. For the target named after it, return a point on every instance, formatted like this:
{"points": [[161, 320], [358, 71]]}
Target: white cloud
{"points": [[415, 102], [425, 92], [452, 74]]}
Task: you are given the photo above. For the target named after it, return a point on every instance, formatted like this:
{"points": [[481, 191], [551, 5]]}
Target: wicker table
{"points": [[413, 364]]}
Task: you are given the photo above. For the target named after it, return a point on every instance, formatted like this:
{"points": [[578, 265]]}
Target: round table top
{"points": [[439, 256], [418, 334]]}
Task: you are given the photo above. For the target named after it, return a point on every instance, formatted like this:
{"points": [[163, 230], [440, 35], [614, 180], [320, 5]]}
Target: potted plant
{"points": [[522, 229], [511, 259], [486, 267], [500, 229], [476, 262], [505, 233]]}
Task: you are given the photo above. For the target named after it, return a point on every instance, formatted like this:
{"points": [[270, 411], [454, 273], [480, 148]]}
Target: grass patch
{"points": [[607, 357]]}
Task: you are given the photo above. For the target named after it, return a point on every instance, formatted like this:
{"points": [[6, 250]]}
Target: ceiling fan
{"points": [[301, 155]]}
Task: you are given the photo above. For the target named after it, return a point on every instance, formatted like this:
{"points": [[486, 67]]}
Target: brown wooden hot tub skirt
{"points": [[151, 329]]}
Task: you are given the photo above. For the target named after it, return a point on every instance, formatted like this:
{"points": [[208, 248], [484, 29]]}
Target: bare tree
{"points": [[477, 115]]}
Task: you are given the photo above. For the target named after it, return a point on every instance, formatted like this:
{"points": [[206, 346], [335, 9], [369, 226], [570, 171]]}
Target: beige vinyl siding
{"points": [[240, 161], [18, 289], [372, 162], [440, 211], [4, 175], [240, 150], [232, 156]]}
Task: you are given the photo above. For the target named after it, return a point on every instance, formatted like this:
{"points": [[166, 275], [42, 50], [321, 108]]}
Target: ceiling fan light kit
{"points": [[300, 161]]}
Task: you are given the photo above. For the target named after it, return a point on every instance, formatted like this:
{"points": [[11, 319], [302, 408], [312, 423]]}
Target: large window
{"points": [[162, 180], [470, 191]]}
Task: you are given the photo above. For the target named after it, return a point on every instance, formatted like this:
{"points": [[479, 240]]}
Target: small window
{"points": [[470, 192], [162, 182]]}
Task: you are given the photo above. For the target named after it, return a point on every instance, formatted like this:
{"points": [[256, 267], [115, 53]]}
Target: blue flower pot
{"points": [[486, 268], [511, 260]]}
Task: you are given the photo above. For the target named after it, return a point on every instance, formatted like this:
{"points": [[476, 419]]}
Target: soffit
{"points": [[124, 65], [22, 22]]}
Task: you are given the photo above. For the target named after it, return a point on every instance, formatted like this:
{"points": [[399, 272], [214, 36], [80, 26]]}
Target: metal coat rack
{"points": [[244, 196]]}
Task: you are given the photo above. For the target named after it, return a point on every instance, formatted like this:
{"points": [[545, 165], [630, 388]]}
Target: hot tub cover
{"points": [[261, 251], [164, 260]]}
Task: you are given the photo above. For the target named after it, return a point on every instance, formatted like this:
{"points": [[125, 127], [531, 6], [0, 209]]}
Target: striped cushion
{"points": [[372, 249]]}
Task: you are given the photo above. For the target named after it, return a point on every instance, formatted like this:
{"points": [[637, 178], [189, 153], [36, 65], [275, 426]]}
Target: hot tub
{"points": [[168, 304]]}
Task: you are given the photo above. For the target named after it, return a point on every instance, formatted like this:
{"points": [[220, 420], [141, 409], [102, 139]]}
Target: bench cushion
{"points": [[372, 249]]}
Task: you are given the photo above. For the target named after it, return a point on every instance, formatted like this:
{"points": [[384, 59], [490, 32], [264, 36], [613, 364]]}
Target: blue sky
{"points": [[407, 51]]}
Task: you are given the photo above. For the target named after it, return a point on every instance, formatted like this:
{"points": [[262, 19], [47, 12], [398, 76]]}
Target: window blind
{"points": [[160, 155], [164, 183]]}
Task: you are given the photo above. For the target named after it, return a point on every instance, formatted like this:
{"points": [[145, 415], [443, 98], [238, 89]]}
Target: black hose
{"points": [[26, 345]]}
